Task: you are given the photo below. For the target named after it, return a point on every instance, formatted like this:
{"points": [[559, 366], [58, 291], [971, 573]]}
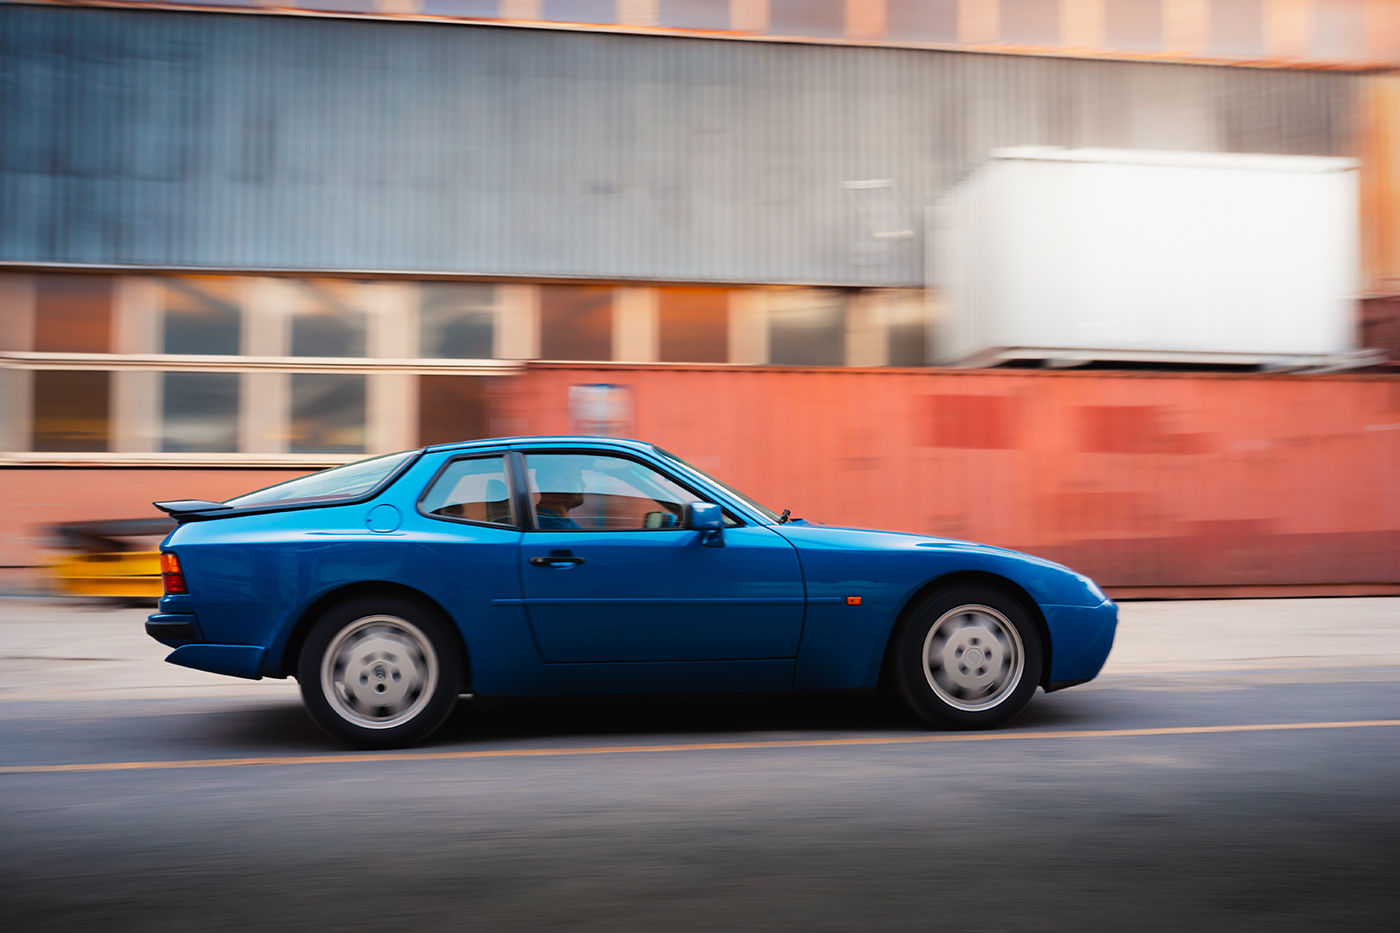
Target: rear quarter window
{"points": [[343, 482]]}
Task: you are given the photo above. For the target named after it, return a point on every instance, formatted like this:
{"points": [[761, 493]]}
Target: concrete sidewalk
{"points": [[55, 650]]}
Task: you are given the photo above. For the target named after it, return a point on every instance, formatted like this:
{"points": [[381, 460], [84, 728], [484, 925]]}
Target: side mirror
{"points": [[708, 519]]}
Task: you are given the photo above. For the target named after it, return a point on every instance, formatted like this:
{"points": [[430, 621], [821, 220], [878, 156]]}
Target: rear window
{"points": [[343, 482]]}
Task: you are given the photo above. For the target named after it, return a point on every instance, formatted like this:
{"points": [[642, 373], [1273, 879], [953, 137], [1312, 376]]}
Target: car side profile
{"points": [[558, 566]]}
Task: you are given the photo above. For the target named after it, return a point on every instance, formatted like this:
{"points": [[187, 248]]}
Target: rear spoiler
{"points": [[192, 510]]}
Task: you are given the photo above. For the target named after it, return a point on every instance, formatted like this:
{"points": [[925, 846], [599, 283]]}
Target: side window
{"points": [[471, 491], [602, 493]]}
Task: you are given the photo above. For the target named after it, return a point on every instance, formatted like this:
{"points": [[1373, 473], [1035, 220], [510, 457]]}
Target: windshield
{"points": [[342, 482], [756, 506]]}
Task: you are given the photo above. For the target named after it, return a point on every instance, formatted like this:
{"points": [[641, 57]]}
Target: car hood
{"points": [[872, 538]]}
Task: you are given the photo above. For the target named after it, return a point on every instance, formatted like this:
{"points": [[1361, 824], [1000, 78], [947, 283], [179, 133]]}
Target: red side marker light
{"points": [[850, 600], [171, 575]]}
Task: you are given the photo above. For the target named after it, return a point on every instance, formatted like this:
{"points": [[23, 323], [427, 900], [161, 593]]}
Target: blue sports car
{"points": [[584, 565]]}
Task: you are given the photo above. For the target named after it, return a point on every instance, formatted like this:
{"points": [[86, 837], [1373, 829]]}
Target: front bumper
{"points": [[1081, 638]]}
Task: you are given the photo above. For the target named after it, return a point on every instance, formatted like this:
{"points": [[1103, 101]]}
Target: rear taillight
{"points": [[171, 574]]}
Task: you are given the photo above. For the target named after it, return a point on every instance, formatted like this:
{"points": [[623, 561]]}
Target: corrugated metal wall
{"points": [[165, 139], [1140, 480]]}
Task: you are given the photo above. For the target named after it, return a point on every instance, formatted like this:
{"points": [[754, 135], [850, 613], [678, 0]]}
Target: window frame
{"points": [[509, 468], [523, 490]]}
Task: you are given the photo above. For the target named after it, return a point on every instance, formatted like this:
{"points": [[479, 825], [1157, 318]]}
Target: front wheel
{"points": [[968, 657], [379, 672]]}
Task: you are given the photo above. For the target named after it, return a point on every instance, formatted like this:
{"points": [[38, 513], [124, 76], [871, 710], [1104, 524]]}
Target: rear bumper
{"points": [[234, 660], [173, 629], [180, 630]]}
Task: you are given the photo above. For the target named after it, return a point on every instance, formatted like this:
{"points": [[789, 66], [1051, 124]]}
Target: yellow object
{"points": [[122, 574]]}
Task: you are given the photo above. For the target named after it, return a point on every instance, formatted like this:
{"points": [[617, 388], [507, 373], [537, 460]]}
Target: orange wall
{"points": [[1138, 479], [35, 497]]}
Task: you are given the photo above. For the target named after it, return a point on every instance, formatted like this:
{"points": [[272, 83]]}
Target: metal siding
{"points": [[137, 137]]}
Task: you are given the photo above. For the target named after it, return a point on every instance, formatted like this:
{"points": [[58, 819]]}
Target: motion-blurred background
{"points": [[1112, 281]]}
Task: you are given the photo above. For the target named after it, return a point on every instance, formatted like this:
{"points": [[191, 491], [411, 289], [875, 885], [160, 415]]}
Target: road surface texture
{"points": [[1236, 767]]}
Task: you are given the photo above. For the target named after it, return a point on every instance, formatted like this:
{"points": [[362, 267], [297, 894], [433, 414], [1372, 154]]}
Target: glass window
{"points": [[471, 8], [922, 20], [201, 314], [473, 491], [327, 321], [1030, 22], [328, 413], [693, 14], [1339, 30], [200, 412], [693, 325], [456, 321], [907, 333], [1237, 27], [343, 482], [1133, 25], [806, 327], [579, 11], [71, 411], [576, 322], [73, 314], [339, 6], [601, 493], [452, 408], [807, 17]]}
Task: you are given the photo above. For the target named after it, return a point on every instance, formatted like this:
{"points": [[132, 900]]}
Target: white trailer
{"points": [[1095, 254]]}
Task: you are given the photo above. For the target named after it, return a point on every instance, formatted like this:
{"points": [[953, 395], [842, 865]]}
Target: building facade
{"points": [[239, 238]]}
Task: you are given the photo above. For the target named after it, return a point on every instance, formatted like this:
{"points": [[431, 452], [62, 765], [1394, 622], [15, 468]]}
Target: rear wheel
{"points": [[968, 657], [379, 672]]}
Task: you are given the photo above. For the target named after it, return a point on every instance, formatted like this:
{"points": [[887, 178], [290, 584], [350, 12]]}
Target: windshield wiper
{"points": [[783, 519]]}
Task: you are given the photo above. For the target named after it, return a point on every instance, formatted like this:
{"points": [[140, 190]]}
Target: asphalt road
{"points": [[1236, 767]]}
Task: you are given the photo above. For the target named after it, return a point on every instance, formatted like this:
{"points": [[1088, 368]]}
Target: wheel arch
{"points": [[1004, 585], [292, 651]]}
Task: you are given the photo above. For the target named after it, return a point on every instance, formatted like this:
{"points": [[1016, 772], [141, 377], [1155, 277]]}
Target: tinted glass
{"points": [[579, 11], [1030, 22], [71, 411], [693, 325], [589, 492], [693, 14], [922, 20], [807, 328], [576, 322], [200, 412], [342, 482], [471, 490], [328, 413], [1133, 25], [807, 17], [456, 321], [73, 313], [327, 320], [1237, 27], [201, 315]]}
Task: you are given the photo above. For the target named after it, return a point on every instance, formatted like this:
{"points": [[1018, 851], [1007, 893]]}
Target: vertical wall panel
{"points": [[141, 137]]}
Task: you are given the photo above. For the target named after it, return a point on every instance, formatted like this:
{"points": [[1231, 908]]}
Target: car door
{"points": [[609, 573]]}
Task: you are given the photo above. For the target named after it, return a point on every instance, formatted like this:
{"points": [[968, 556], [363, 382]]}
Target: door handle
{"points": [[555, 560]]}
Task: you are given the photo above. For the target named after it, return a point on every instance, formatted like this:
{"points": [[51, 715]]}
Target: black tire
{"points": [[968, 657], [380, 671]]}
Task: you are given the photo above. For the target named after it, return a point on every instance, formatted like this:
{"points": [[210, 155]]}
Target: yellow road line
{"points": [[361, 758]]}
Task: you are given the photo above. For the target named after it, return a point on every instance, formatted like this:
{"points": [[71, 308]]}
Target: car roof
{"points": [[548, 440]]}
